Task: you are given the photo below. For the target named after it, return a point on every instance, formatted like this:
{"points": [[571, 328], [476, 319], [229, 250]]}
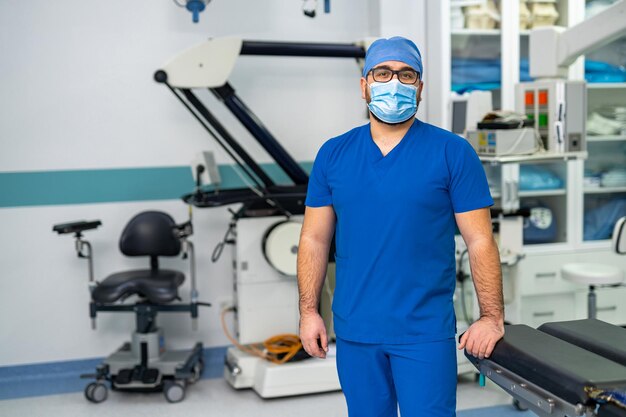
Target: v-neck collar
{"points": [[376, 155]]}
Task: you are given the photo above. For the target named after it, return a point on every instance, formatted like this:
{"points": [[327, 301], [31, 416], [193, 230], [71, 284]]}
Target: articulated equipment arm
{"points": [[554, 49]]}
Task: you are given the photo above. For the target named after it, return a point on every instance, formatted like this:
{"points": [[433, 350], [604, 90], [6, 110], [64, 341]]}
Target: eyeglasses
{"points": [[405, 76]]}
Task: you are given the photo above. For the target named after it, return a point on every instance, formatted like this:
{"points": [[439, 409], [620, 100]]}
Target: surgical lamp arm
{"points": [[208, 65], [554, 49]]}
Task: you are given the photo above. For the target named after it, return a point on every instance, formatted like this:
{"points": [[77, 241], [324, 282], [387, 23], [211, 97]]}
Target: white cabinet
{"points": [[541, 275], [539, 309], [541, 295]]}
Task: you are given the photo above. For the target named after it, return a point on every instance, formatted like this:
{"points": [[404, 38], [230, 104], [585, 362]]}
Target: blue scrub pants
{"points": [[420, 378]]}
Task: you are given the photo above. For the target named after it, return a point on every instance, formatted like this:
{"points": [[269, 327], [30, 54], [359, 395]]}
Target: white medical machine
{"points": [[502, 142], [266, 304], [265, 229], [558, 110]]}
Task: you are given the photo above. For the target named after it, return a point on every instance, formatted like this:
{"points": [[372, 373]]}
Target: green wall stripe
{"points": [[111, 185]]}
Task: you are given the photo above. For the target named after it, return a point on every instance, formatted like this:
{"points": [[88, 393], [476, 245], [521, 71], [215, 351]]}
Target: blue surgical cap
{"points": [[393, 49]]}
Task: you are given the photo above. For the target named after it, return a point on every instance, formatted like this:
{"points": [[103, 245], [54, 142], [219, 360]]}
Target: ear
{"points": [[363, 87], [419, 90]]}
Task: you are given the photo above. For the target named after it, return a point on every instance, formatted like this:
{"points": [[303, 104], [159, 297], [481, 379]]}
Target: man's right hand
{"points": [[313, 335]]}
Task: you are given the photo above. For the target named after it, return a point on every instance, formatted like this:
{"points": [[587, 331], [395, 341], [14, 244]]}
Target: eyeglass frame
{"points": [[396, 73]]}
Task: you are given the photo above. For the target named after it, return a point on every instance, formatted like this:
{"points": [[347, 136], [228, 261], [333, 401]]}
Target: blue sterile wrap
{"points": [[393, 49]]}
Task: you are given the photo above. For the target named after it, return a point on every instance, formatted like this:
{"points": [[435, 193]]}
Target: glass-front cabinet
{"points": [[604, 182], [542, 187], [604, 178], [478, 58], [574, 200]]}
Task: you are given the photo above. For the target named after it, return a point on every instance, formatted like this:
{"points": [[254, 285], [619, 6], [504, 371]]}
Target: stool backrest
{"points": [[618, 243], [150, 233]]}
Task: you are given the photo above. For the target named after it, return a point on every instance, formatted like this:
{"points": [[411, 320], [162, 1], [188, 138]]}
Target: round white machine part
{"points": [[280, 246]]}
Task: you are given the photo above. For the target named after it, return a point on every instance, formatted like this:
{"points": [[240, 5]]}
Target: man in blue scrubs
{"points": [[392, 191]]}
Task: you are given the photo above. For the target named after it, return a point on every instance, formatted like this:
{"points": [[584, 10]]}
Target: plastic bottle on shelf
{"points": [[543, 12], [485, 16]]}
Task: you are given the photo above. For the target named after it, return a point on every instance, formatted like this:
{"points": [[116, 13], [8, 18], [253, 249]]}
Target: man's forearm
{"points": [[312, 266], [487, 276]]}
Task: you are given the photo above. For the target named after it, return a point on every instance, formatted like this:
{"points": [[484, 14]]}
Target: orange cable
{"points": [[287, 344]]}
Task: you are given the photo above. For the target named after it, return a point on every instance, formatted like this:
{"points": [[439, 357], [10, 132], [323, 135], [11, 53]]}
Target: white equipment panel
{"points": [[266, 299], [503, 142], [558, 109]]}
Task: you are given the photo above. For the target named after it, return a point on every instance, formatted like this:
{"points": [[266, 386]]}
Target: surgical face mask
{"points": [[393, 102]]}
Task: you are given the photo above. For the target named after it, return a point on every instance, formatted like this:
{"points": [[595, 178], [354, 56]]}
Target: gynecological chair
{"points": [[571, 368], [143, 364]]}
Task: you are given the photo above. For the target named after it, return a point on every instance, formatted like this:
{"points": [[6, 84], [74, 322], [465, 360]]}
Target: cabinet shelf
{"points": [[611, 138], [483, 32], [541, 193], [475, 32], [602, 86], [533, 193], [605, 190], [545, 156]]}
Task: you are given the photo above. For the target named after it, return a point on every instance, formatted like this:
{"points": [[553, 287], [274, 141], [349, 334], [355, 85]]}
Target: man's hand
{"points": [[481, 337], [312, 330]]}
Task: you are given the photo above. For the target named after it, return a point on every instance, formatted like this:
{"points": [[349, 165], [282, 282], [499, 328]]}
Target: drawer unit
{"points": [[539, 309], [538, 275]]}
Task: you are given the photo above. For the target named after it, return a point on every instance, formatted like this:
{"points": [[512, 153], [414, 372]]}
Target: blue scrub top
{"points": [[395, 229]]}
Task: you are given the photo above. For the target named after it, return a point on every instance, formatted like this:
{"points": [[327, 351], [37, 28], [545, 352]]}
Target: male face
{"points": [[394, 66]]}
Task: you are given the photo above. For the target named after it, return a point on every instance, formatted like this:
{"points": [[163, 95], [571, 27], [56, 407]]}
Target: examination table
{"points": [[572, 368]]}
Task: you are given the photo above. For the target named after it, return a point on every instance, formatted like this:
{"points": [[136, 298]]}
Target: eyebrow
{"points": [[387, 67]]}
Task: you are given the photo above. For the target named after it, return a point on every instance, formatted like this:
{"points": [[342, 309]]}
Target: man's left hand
{"points": [[482, 336]]}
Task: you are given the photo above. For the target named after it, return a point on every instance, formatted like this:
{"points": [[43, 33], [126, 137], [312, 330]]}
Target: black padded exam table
{"points": [[573, 368]]}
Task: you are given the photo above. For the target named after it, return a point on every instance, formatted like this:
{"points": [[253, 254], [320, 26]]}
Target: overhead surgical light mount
{"points": [[194, 6]]}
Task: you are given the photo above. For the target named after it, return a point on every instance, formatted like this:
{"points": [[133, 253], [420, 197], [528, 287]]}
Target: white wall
{"points": [[78, 75], [78, 93]]}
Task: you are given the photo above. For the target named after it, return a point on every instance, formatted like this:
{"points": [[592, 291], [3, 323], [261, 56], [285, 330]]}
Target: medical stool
{"points": [[143, 364], [592, 275], [597, 275]]}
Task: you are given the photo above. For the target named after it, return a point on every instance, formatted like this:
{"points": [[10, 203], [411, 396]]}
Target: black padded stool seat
{"points": [[556, 365], [593, 335], [157, 287]]}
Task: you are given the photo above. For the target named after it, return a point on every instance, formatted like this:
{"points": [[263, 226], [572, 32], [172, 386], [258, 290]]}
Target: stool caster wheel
{"points": [[197, 370], [519, 406], [174, 391], [96, 392]]}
